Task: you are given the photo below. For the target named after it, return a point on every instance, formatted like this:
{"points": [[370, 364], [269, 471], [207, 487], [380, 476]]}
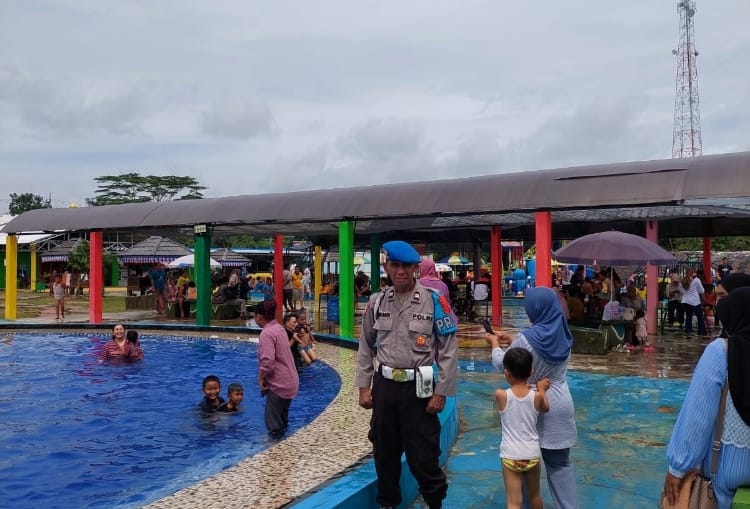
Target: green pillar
{"points": [[375, 246], [203, 274], [346, 278], [115, 281]]}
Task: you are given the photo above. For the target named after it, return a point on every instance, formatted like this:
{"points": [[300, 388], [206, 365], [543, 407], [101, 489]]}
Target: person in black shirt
{"points": [[235, 394], [211, 400]]}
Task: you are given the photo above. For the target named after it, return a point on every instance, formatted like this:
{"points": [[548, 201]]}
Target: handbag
{"points": [[697, 491]]}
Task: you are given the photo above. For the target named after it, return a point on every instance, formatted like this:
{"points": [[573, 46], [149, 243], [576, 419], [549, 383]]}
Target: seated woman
{"points": [[290, 326], [632, 300]]}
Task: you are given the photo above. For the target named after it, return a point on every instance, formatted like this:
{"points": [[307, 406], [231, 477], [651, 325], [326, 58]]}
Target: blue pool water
{"points": [[624, 424], [75, 433]]}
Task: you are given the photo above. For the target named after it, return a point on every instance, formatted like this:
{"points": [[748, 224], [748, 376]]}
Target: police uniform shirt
{"points": [[403, 337]]}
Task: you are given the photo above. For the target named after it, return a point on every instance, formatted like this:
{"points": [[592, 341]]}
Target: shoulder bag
{"points": [[697, 492]]}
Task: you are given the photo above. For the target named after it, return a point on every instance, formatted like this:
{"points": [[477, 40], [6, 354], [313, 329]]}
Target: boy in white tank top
{"points": [[519, 448]]}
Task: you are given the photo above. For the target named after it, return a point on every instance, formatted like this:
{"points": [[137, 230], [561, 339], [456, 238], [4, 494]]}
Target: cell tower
{"points": [[686, 137]]}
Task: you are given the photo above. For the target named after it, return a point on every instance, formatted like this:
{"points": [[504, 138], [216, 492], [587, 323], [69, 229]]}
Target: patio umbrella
{"points": [[189, 261], [360, 260], [613, 248], [455, 260]]}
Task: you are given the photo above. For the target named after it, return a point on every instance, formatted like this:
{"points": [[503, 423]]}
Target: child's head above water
{"points": [[132, 336], [211, 386], [235, 393]]}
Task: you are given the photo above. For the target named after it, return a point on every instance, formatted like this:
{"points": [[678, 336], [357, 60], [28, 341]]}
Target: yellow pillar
{"points": [[33, 267], [11, 276]]}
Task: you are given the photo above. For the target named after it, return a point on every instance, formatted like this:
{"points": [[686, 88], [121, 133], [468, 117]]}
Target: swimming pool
{"points": [[624, 424], [75, 433]]}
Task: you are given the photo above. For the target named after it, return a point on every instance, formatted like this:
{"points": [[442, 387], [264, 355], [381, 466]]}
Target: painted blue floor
{"points": [[624, 424]]}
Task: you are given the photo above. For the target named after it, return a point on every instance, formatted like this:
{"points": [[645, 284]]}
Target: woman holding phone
{"points": [[550, 342]]}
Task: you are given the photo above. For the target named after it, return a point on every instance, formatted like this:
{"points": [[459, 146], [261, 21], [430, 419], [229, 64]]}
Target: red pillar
{"points": [[96, 277], [707, 262], [496, 259], [543, 249], [278, 274], [652, 280]]}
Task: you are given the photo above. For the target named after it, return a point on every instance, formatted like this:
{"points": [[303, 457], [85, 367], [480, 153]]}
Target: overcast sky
{"points": [[259, 96]]}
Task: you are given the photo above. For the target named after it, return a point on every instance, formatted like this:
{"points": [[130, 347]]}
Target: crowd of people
{"points": [[174, 290]]}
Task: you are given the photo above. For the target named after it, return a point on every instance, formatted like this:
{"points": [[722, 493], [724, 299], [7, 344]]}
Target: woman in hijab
{"points": [[731, 282], [723, 361], [726, 286], [429, 277], [550, 342]]}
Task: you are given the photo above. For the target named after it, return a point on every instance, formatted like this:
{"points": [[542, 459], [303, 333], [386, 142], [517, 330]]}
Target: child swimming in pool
{"points": [[211, 400], [135, 352], [519, 447], [235, 394]]}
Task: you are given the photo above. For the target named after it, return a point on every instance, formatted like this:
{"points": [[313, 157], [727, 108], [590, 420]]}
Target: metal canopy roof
{"points": [[708, 195], [154, 249]]}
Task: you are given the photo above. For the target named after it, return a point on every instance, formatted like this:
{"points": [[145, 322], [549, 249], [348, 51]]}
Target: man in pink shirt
{"points": [[277, 376]]}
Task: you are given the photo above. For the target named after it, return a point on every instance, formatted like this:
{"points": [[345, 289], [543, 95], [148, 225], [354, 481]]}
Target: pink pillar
{"points": [[543, 249], [707, 262], [278, 274], [496, 258], [652, 280], [96, 277]]}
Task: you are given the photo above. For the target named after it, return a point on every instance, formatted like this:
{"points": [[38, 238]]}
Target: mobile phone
{"points": [[487, 326]]}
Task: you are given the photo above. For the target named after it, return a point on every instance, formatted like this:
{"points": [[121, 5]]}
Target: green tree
{"points": [[135, 188], [739, 243], [79, 261], [20, 203]]}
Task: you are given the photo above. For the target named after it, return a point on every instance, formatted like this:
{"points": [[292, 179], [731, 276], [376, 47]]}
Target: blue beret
{"points": [[400, 251]]}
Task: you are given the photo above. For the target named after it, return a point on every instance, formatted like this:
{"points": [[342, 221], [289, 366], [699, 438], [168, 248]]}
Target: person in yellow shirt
{"points": [[298, 289]]}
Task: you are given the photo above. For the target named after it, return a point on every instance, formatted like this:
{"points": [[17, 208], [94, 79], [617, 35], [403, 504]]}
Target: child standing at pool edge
{"points": [[58, 293], [519, 447]]}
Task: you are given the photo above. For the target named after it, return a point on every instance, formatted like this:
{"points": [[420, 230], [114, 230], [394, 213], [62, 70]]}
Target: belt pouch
{"points": [[424, 381]]}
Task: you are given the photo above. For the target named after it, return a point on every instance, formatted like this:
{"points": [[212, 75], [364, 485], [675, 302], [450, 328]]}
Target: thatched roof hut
{"points": [[228, 258], [154, 250], [60, 252]]}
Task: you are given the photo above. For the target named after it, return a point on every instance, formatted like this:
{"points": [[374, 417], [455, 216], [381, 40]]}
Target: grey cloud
{"points": [[605, 130], [50, 105], [381, 140], [237, 122], [478, 153]]}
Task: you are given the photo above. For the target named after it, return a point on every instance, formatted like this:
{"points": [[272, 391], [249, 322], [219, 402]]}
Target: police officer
{"points": [[403, 331]]}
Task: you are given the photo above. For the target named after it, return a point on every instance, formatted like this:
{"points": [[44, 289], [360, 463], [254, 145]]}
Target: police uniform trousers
{"points": [[401, 423]]}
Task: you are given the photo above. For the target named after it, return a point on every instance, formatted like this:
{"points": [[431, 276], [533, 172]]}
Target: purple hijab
{"points": [[429, 277], [549, 334]]}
